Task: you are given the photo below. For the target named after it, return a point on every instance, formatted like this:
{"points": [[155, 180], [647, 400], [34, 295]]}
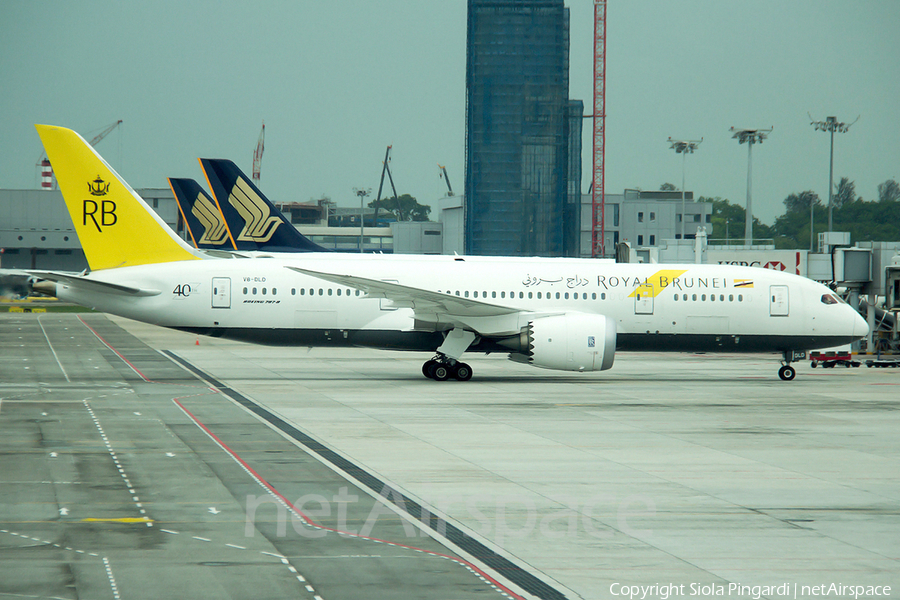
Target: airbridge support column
{"points": [[870, 320], [853, 300]]}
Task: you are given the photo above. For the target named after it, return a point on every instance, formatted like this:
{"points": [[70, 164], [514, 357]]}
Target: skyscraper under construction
{"points": [[518, 130]]}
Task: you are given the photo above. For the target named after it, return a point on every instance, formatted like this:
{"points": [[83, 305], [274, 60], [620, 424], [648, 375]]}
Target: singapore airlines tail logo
{"points": [[215, 231], [259, 226]]}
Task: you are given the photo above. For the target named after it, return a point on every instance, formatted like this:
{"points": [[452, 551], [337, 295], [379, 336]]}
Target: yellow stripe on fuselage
{"points": [[656, 283], [115, 226]]}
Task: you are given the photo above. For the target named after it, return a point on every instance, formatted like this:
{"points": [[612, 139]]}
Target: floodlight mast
{"points": [[750, 137], [830, 124], [362, 193], [683, 147]]}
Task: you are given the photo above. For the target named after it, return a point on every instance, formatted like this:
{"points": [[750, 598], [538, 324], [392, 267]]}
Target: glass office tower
{"points": [[517, 129]]}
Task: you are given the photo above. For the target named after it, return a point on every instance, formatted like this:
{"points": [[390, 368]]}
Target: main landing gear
{"points": [[440, 369], [446, 363]]}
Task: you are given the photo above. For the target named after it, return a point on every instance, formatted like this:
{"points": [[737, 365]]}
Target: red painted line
{"points": [[105, 343], [286, 502], [312, 523]]}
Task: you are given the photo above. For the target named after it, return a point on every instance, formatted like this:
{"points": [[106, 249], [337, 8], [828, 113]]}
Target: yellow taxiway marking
{"points": [[122, 520]]}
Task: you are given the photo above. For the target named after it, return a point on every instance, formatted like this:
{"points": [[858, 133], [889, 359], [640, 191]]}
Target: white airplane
{"points": [[555, 313]]}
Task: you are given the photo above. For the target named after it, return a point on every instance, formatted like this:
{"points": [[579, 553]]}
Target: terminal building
{"points": [[645, 219]]}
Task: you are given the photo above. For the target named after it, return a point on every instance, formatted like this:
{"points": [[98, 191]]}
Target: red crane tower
{"points": [[257, 155], [598, 202]]}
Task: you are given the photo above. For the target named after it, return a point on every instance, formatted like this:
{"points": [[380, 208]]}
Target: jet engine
{"points": [[568, 342]]}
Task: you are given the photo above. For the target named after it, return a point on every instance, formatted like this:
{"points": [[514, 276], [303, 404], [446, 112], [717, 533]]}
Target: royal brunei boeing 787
{"points": [[555, 313]]}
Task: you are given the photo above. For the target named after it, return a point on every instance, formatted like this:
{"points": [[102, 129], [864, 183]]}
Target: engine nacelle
{"points": [[569, 342]]}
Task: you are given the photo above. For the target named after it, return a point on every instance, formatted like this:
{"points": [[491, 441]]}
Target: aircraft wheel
{"points": [[426, 368], [440, 372], [462, 372], [786, 373]]}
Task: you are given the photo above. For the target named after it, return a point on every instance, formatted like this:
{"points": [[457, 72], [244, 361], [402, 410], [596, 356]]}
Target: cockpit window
{"points": [[829, 299]]}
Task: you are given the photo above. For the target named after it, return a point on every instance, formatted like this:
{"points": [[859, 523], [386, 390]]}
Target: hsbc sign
{"points": [[789, 261]]}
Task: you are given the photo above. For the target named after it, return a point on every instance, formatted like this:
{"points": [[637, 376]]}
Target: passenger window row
{"points": [[263, 291], [304, 291], [475, 294], [529, 295], [712, 297]]}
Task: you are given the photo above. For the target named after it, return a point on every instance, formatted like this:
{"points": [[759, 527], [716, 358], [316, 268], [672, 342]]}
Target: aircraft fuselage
{"points": [[655, 307]]}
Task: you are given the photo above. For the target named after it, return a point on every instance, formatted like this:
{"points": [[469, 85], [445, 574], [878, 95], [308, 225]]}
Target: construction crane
{"points": [[44, 164], [257, 155], [598, 201], [443, 174], [96, 139], [386, 169]]}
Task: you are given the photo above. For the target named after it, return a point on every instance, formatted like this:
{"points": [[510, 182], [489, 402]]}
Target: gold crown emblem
{"points": [[98, 187]]}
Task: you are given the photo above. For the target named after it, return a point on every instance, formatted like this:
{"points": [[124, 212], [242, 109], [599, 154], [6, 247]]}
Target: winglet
{"points": [[115, 226]]}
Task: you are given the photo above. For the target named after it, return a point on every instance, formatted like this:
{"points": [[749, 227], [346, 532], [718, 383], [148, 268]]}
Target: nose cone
{"points": [[860, 327]]}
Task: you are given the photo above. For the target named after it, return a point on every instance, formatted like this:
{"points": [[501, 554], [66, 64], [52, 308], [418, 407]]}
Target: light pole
{"points": [[812, 222], [750, 137], [830, 124], [362, 197], [683, 147]]}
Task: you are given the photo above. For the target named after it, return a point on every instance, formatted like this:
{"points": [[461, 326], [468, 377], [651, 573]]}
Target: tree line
{"points": [[875, 220]]}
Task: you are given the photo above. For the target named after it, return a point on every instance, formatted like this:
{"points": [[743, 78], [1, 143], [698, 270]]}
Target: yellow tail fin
{"points": [[115, 226]]}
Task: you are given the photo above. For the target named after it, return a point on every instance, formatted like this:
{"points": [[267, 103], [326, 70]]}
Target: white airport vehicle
{"points": [[555, 313]]}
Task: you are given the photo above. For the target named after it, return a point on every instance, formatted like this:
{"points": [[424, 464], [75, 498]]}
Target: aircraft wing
{"points": [[94, 285], [423, 301]]}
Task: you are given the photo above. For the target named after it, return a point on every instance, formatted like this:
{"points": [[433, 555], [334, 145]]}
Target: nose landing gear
{"points": [[787, 372]]}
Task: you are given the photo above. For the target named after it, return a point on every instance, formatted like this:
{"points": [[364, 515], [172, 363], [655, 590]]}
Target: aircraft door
{"points": [[778, 301], [643, 301], [221, 292]]}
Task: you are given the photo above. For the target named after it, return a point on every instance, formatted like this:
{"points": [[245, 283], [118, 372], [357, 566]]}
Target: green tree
{"points": [[875, 221], [791, 230], [728, 221], [889, 191], [667, 187], [404, 208], [802, 201], [845, 192]]}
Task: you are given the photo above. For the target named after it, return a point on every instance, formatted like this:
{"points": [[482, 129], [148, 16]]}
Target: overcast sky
{"points": [[337, 81]]}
